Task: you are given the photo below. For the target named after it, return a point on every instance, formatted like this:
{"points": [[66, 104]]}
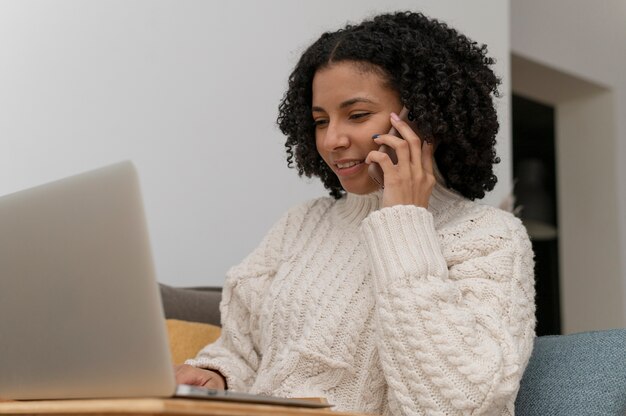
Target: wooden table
{"points": [[143, 407]]}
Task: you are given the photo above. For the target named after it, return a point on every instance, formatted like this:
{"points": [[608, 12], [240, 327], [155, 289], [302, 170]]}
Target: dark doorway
{"points": [[534, 172]]}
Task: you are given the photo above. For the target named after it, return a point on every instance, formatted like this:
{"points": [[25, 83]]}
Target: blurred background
{"points": [[189, 90]]}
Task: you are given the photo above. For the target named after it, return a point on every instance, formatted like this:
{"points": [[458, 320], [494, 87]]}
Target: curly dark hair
{"points": [[443, 78]]}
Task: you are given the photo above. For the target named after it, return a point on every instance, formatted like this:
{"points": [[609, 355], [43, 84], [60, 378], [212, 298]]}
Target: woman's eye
{"points": [[322, 122]]}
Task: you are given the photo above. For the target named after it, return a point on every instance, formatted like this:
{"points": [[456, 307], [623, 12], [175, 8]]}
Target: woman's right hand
{"points": [[186, 374]]}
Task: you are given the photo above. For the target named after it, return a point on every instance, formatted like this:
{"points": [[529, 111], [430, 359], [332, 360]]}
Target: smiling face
{"points": [[350, 105]]}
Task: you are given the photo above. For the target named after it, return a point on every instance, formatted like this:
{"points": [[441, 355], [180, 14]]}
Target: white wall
{"points": [[188, 90], [586, 43]]}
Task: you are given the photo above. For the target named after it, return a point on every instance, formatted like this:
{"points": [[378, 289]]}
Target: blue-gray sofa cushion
{"points": [[575, 375]]}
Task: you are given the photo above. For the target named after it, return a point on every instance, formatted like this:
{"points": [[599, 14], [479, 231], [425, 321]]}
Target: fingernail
{"points": [[395, 117], [375, 136]]}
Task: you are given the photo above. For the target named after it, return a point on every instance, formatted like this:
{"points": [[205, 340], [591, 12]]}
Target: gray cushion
{"points": [[580, 374], [192, 304]]}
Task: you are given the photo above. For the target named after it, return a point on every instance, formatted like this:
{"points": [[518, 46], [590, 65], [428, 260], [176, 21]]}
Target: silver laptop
{"points": [[80, 309]]}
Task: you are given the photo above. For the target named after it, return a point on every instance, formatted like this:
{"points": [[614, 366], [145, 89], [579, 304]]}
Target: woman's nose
{"points": [[336, 137]]}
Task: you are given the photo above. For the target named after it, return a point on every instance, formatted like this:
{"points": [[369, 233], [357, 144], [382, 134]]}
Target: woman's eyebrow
{"points": [[346, 103]]}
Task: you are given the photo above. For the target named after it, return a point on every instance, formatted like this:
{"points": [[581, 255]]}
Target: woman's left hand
{"points": [[411, 180]]}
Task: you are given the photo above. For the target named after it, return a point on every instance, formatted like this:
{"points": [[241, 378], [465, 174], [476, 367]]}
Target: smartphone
{"points": [[374, 169]]}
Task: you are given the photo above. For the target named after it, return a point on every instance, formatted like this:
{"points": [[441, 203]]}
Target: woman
{"points": [[411, 299]]}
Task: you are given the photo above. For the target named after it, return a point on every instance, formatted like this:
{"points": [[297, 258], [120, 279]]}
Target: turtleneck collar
{"points": [[353, 208]]}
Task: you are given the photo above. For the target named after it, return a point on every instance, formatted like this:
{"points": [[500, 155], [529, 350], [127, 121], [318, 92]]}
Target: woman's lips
{"points": [[349, 171]]}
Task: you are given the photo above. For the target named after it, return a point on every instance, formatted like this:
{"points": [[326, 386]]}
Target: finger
{"points": [[382, 159], [400, 146], [428, 155], [184, 376], [214, 382], [211, 383], [411, 137]]}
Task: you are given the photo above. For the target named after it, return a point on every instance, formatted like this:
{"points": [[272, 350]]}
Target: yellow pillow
{"points": [[187, 338]]}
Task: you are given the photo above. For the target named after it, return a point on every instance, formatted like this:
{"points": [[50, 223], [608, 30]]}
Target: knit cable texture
{"points": [[395, 311]]}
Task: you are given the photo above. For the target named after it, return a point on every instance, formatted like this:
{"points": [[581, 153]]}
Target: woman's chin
{"points": [[362, 188]]}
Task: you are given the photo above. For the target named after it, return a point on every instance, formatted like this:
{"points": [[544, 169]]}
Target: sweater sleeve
{"points": [[236, 352], [456, 335]]}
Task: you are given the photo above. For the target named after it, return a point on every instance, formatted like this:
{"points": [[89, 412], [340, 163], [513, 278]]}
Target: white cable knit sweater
{"points": [[399, 311]]}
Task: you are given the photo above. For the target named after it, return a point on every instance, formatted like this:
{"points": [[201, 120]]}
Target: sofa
{"points": [[571, 375], [200, 304]]}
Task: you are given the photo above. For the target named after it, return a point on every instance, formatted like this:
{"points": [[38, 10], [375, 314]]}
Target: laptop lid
{"points": [[80, 310]]}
